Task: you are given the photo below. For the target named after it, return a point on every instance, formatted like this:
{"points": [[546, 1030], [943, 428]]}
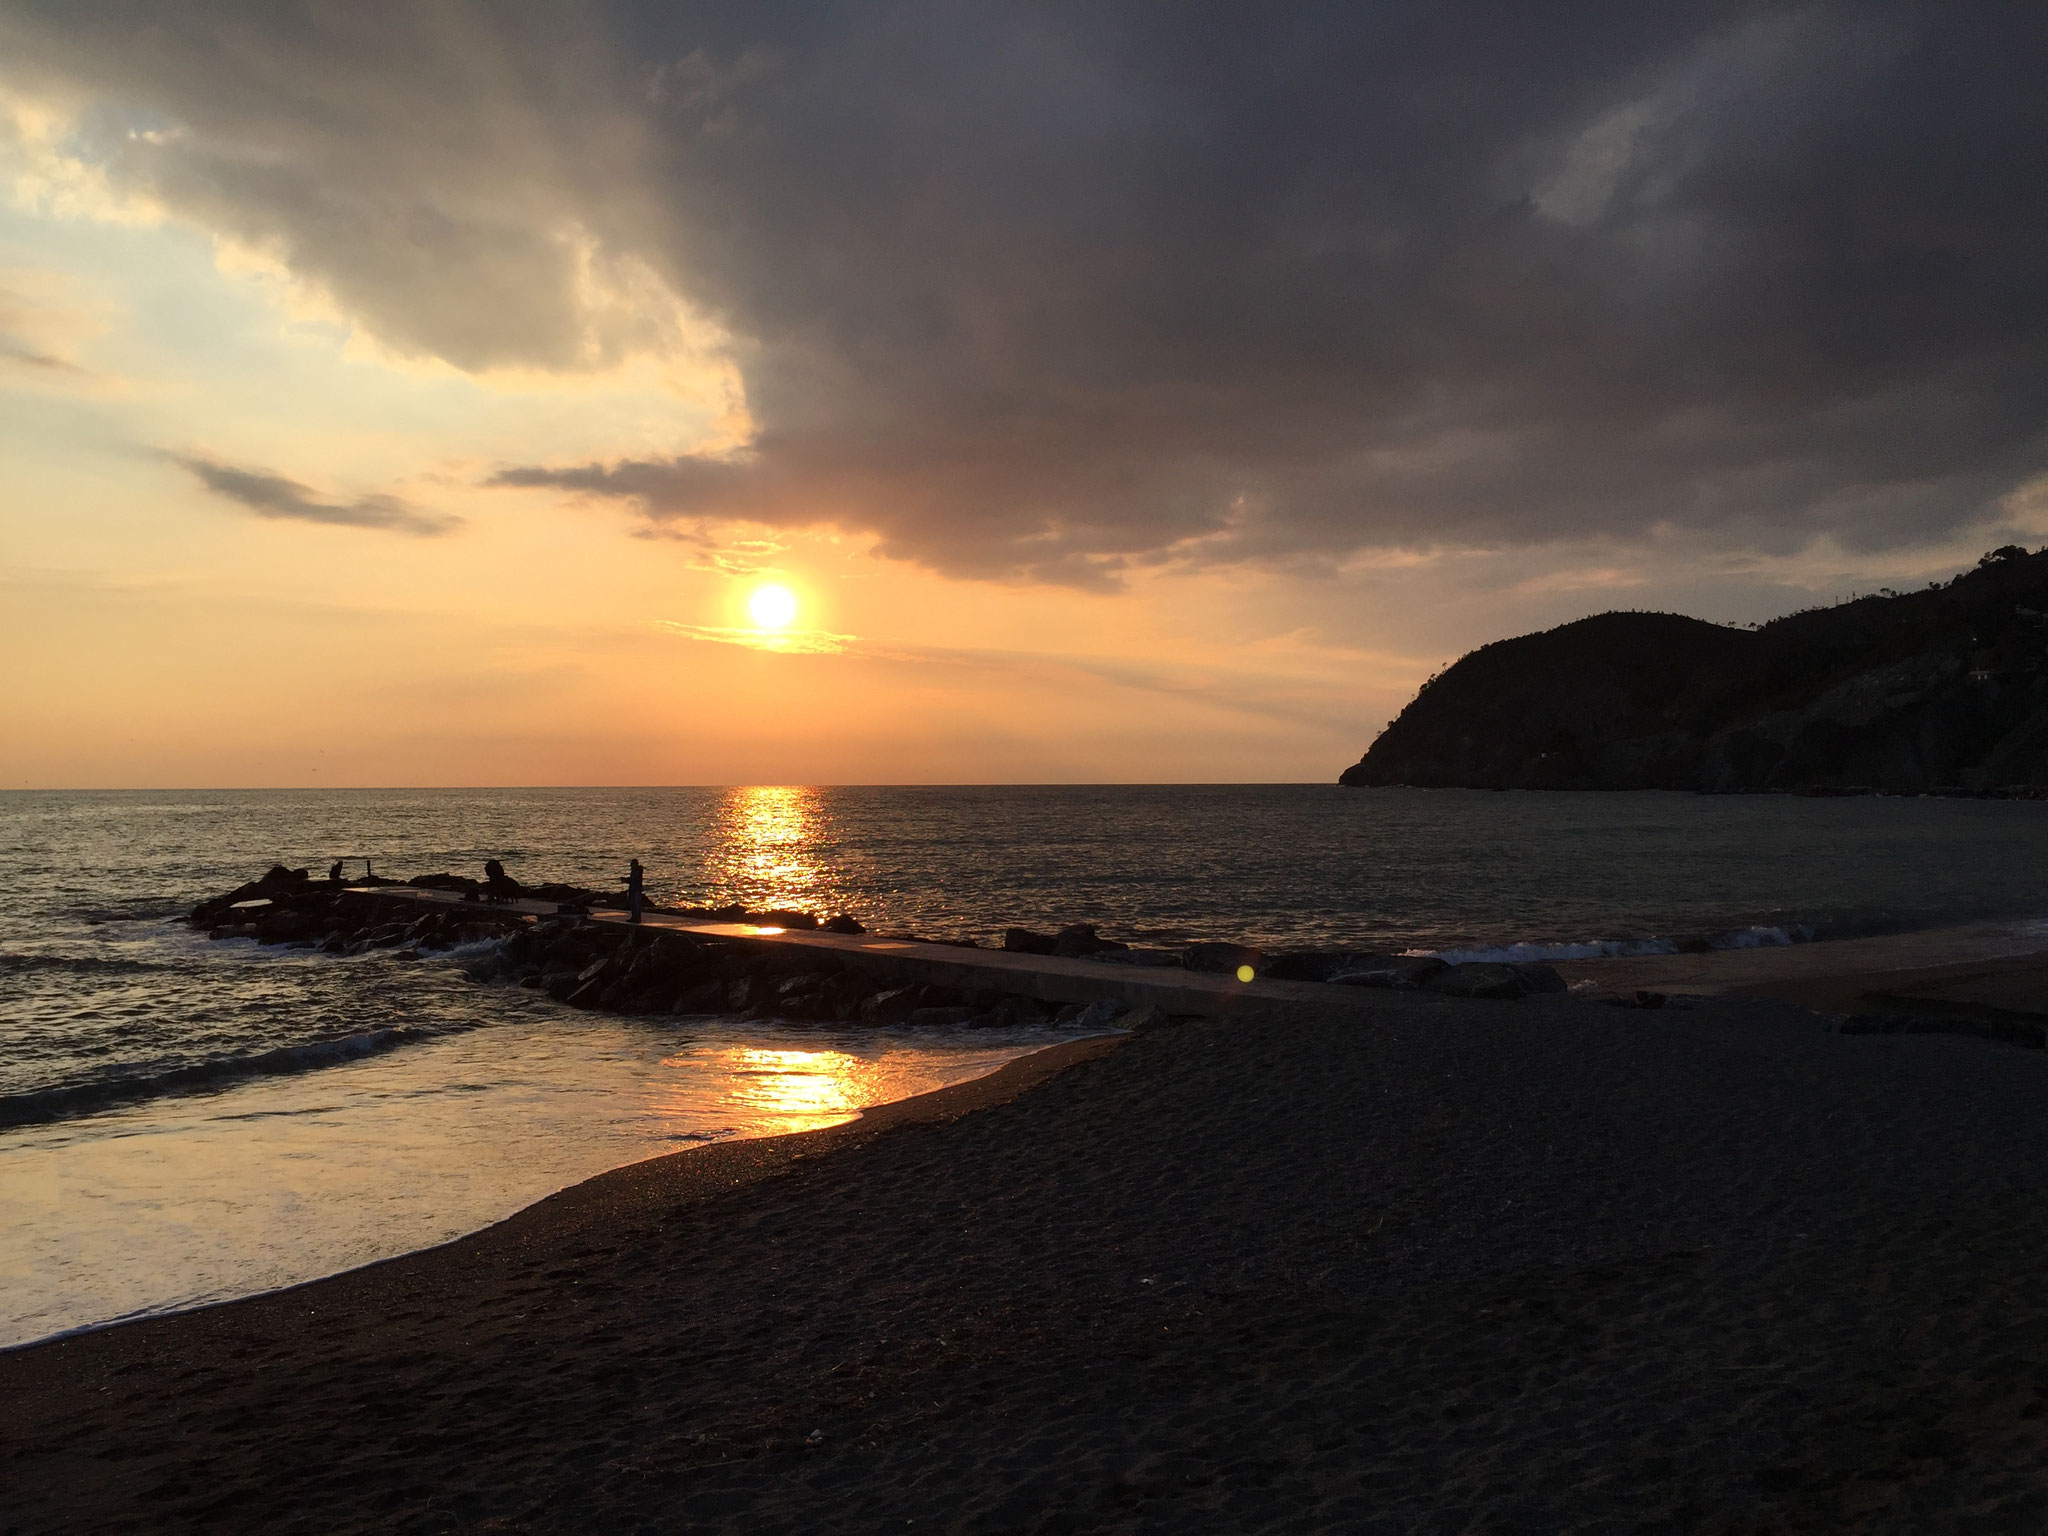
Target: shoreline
{"points": [[871, 1117], [1574, 1262]]}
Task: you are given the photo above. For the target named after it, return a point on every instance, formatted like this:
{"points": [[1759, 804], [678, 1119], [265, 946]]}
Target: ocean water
{"points": [[184, 1121]]}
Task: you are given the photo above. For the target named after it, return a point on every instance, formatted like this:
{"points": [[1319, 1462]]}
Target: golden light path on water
{"points": [[774, 1091], [767, 838]]}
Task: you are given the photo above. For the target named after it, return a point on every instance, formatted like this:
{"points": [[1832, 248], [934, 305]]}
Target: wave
{"points": [[144, 909], [1761, 936], [82, 965], [41, 1106]]}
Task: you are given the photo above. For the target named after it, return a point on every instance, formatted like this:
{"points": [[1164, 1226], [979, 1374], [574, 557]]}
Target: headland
{"points": [[1940, 691]]}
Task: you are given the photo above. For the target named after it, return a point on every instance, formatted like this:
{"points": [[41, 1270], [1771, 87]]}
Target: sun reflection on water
{"points": [[770, 1091], [768, 838]]}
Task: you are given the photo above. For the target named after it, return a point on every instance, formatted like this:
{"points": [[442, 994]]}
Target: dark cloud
{"points": [[14, 352], [269, 495], [1056, 289]]}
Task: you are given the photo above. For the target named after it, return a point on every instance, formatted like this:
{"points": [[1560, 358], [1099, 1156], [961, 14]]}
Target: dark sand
{"points": [[1419, 1264]]}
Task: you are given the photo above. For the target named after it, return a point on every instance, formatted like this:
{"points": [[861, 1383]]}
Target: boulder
{"points": [[1100, 1014], [1078, 940], [957, 1013], [705, 997], [841, 923], [1479, 979], [1399, 973], [891, 1007], [1019, 1012], [782, 917], [1320, 964], [1022, 941]]}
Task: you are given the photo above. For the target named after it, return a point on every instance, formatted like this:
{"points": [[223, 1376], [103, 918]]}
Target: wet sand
{"points": [[1408, 1263]]}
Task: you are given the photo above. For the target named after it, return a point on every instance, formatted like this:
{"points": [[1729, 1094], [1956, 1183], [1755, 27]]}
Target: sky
{"points": [[403, 395]]}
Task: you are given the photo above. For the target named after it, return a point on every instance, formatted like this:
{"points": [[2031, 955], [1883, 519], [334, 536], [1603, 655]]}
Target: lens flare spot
{"points": [[1244, 973], [772, 607]]}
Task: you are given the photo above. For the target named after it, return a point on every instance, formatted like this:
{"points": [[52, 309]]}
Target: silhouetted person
{"points": [[499, 886], [635, 882], [334, 871]]}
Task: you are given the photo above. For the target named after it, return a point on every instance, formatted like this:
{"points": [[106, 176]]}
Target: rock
{"points": [[282, 925], [782, 917], [843, 924], [587, 994], [1142, 1021], [935, 1018], [1020, 1012], [277, 884], [1479, 979], [1541, 978], [1399, 973], [705, 997], [1077, 940], [891, 1007], [1100, 1014], [1221, 959], [1321, 964], [1022, 941]]}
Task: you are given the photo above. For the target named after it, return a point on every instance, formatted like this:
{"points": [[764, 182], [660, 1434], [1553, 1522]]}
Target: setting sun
{"points": [[772, 607]]}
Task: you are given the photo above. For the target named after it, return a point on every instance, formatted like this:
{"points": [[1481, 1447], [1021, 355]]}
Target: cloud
{"points": [[789, 642], [1050, 292], [269, 495], [12, 351]]}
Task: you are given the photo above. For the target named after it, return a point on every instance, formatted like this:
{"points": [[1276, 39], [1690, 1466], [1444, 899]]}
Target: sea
{"points": [[183, 1122]]}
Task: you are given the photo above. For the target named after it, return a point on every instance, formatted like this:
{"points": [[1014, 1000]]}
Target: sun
{"points": [[772, 607]]}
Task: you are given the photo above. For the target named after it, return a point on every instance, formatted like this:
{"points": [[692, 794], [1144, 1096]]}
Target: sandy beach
{"points": [[1413, 1264]]}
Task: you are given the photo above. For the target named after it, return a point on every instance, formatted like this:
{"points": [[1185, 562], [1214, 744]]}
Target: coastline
{"points": [[479, 1170], [1433, 1262]]}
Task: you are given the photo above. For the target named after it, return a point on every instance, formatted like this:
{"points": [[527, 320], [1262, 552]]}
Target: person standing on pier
{"points": [[635, 883]]}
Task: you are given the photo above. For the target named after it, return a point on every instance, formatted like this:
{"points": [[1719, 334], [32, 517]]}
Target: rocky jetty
{"points": [[1939, 691], [616, 967], [631, 969]]}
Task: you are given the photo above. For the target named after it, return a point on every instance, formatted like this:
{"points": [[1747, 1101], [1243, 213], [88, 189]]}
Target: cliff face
{"points": [[1943, 689]]}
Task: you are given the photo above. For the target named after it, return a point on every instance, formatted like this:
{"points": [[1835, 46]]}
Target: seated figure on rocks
{"points": [[499, 886]]}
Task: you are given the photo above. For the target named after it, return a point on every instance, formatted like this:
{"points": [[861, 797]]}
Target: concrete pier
{"points": [[1048, 978]]}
